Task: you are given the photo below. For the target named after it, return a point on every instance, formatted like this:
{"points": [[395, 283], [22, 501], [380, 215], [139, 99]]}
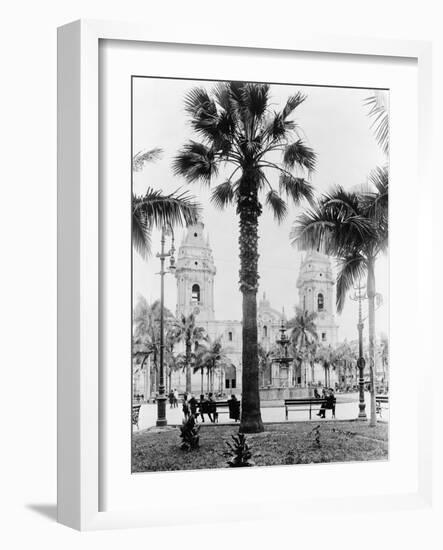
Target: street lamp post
{"points": [[161, 397], [359, 295]]}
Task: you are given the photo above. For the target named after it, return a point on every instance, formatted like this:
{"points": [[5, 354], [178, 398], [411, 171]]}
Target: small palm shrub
{"points": [[240, 452], [315, 433], [189, 433]]}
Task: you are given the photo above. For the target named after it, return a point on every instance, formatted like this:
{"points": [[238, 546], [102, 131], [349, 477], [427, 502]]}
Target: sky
{"points": [[334, 122]]}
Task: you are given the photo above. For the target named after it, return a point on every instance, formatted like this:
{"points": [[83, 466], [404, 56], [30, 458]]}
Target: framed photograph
{"points": [[239, 272]]}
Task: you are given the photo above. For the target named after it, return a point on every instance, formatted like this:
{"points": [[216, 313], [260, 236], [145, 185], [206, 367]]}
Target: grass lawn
{"points": [[290, 443]]}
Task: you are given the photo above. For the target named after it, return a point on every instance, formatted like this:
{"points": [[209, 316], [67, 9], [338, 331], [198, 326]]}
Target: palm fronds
{"points": [[195, 162], [156, 209], [350, 269], [379, 112], [296, 189], [142, 157], [277, 205], [298, 153], [223, 194]]}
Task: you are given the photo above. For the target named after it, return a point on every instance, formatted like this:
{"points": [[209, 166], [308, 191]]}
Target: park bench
{"points": [[305, 404], [222, 407], [135, 414], [381, 402]]}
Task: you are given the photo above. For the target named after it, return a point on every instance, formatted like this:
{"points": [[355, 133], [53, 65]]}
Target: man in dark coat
{"points": [[193, 406], [234, 408]]}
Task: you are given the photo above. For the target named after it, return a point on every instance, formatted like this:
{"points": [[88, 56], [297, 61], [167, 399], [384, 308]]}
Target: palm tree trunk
{"points": [[371, 319], [201, 386], [249, 210], [188, 365]]}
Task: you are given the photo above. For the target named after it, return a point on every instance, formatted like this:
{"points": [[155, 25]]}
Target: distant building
{"points": [[196, 274], [196, 277], [316, 294]]}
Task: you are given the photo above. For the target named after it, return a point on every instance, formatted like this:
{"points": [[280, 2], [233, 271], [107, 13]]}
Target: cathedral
{"points": [[196, 275]]}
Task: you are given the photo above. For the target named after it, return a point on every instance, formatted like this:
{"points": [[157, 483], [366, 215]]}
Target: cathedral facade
{"points": [[196, 277]]}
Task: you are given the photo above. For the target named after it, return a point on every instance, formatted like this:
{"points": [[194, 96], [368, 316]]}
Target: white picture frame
{"points": [[79, 266]]}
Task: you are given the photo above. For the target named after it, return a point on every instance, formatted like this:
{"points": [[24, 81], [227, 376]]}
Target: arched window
{"points": [[195, 294], [230, 336], [265, 331], [320, 302]]}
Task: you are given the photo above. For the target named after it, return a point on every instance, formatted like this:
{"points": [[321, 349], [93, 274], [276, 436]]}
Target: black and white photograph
{"points": [[260, 274]]}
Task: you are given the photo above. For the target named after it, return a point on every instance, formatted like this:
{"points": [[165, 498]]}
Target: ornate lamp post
{"points": [[161, 397], [283, 343], [359, 295]]}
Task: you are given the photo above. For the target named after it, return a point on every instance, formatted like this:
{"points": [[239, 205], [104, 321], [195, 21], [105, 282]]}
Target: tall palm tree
{"points": [[157, 209], [353, 227], [187, 331], [303, 333], [211, 356], [238, 130]]}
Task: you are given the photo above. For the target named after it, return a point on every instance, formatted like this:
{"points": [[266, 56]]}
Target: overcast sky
{"points": [[335, 124]]}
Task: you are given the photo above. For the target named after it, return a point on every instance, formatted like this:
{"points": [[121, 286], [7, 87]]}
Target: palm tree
{"points": [[326, 356], [265, 360], [187, 331], [175, 363], [211, 356], [156, 209], [353, 227], [146, 332], [303, 333], [238, 129]]}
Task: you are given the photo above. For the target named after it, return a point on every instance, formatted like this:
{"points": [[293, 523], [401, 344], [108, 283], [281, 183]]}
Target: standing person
{"points": [[203, 406], [212, 408], [175, 398], [185, 407], [234, 408], [171, 399], [193, 406], [316, 394]]}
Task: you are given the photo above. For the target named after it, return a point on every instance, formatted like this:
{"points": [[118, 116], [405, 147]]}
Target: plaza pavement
{"points": [[346, 409]]}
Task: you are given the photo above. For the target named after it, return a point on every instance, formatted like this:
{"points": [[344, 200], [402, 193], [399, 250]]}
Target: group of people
{"points": [[173, 399], [208, 406], [328, 401]]}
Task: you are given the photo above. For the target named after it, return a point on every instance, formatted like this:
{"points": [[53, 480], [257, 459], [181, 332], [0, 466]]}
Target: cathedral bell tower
{"points": [[195, 275], [316, 294]]}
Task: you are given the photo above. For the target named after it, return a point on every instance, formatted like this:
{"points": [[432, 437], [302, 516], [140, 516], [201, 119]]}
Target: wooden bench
{"points": [[305, 404], [135, 414], [381, 402]]}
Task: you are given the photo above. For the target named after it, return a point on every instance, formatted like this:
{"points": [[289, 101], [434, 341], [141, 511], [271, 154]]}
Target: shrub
{"points": [[240, 452], [316, 433], [189, 432]]}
